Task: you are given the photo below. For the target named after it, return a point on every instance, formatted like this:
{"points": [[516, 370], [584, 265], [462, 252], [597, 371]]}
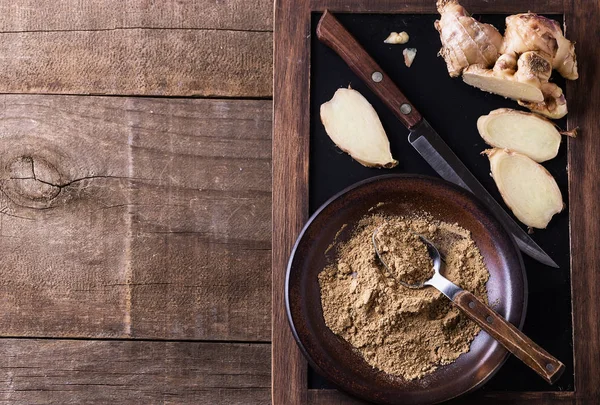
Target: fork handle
{"points": [[539, 360]]}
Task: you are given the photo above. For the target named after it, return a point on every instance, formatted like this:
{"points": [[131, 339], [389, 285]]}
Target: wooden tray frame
{"points": [[291, 133]]}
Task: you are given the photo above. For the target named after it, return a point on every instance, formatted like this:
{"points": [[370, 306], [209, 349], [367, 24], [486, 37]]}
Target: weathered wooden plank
{"points": [[132, 217], [291, 125], [428, 7], [35, 15], [126, 372], [583, 96], [334, 397], [161, 62]]}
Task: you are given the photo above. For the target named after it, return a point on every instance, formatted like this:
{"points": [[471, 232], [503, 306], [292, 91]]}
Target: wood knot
{"points": [[31, 182]]}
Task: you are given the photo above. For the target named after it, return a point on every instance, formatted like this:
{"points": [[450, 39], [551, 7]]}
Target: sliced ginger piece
{"points": [[554, 105], [503, 85], [519, 79], [526, 187], [522, 132], [354, 126]]}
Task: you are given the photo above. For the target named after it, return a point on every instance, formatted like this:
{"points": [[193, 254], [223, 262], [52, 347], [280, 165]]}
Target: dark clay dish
{"points": [[334, 358]]}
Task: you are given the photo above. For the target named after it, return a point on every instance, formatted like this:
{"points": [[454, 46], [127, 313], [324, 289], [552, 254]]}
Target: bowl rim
{"points": [[378, 178]]}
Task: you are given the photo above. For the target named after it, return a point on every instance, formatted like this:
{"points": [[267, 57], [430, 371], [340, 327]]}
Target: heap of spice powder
{"points": [[403, 332]]}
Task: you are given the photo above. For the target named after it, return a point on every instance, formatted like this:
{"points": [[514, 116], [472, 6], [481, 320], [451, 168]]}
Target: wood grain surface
{"points": [[290, 183], [333, 397], [48, 371], [133, 217], [162, 62], [71, 15], [582, 23], [429, 7], [163, 48]]}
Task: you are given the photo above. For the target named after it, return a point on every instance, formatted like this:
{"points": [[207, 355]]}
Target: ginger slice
{"points": [[520, 79], [503, 85], [526, 187], [354, 126], [554, 105], [522, 132], [465, 41]]}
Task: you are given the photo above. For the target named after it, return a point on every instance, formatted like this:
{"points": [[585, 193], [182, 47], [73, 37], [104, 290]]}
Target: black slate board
{"points": [[452, 108]]}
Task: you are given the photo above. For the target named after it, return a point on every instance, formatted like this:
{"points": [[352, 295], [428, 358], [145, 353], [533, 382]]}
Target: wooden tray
{"points": [[299, 142]]}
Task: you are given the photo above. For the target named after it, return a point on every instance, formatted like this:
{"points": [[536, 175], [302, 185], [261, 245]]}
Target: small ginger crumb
{"points": [[409, 56], [397, 38]]}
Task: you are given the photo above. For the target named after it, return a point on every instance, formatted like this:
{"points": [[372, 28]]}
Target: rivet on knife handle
{"points": [[335, 36]]}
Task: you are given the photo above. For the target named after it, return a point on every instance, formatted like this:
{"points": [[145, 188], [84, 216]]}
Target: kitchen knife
{"points": [[422, 136]]}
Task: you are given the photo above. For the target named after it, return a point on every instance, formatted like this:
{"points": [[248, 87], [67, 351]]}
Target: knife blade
{"points": [[423, 137], [440, 157]]}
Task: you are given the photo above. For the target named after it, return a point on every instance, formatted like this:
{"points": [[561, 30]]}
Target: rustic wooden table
{"points": [[135, 204]]}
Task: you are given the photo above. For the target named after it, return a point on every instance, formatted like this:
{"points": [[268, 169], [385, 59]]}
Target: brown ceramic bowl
{"points": [[332, 357]]}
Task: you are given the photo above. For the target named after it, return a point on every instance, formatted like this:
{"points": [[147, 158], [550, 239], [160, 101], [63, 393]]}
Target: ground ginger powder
{"points": [[403, 332]]}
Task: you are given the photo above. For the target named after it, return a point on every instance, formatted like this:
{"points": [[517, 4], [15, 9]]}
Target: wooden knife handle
{"points": [[334, 35], [510, 337]]}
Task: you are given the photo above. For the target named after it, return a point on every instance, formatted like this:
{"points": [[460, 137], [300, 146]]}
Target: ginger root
{"points": [[521, 132], [526, 187], [531, 32], [354, 126], [522, 63], [465, 41]]}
